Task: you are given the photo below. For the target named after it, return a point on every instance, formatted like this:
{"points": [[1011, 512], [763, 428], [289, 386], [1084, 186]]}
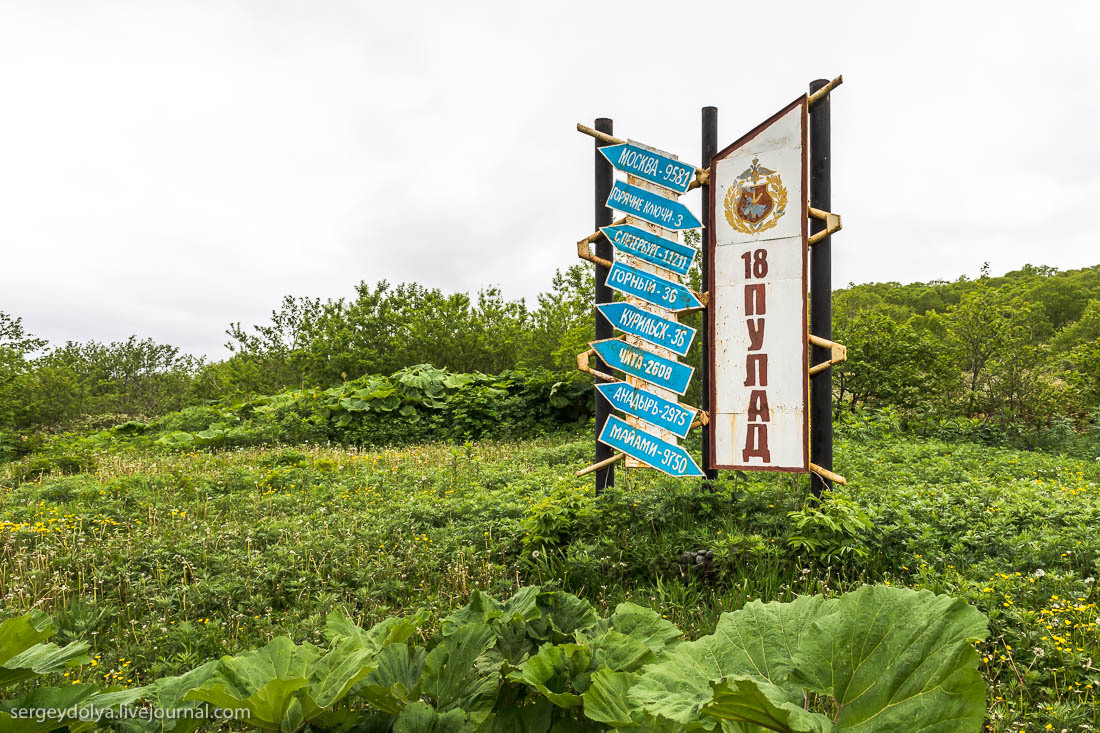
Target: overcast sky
{"points": [[169, 167]]}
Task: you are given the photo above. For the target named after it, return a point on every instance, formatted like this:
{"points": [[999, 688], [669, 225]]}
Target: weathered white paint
{"points": [[657, 310], [779, 148]]}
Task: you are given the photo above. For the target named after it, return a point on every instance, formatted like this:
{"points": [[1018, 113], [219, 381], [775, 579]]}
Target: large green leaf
{"points": [[77, 697], [619, 652], [643, 624], [284, 684], [760, 705], [563, 615], [897, 659], [606, 700], [334, 674], [510, 621], [758, 640], [451, 678], [354, 405], [395, 682], [42, 659], [390, 631], [22, 632], [268, 705], [44, 698], [23, 655], [421, 718], [762, 638], [555, 671], [168, 693]]}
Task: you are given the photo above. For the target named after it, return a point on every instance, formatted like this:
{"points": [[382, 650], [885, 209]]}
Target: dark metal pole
{"points": [[605, 477], [821, 293], [709, 148]]}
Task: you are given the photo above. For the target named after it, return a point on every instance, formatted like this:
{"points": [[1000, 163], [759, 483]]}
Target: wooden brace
{"points": [[704, 298], [702, 176], [597, 466], [837, 353], [584, 251], [820, 93], [832, 224], [836, 478], [703, 419], [584, 360]]}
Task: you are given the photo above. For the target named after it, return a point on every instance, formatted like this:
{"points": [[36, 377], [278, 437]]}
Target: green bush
{"points": [[876, 659], [416, 404]]}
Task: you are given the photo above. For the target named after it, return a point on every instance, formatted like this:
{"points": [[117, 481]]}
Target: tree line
{"points": [[308, 342], [1023, 349]]}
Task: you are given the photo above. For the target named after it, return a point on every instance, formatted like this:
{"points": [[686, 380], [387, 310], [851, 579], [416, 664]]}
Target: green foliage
{"points": [[131, 378], [553, 520], [308, 343], [836, 528], [1013, 350], [417, 403], [387, 328], [891, 363], [23, 655], [545, 659], [16, 345], [885, 658], [165, 559]]}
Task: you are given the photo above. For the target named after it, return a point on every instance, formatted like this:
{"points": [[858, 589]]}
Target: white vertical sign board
{"points": [[757, 316]]}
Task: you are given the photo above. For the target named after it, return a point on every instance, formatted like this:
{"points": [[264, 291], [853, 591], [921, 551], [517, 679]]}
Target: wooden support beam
{"points": [[603, 137], [602, 464], [832, 224], [826, 473], [584, 251], [584, 364], [702, 176], [820, 93], [703, 419], [837, 353]]}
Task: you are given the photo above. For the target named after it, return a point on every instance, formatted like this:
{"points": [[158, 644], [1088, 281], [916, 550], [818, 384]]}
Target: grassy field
{"points": [[165, 560]]}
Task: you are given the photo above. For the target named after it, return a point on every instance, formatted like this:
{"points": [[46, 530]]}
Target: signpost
{"points": [[654, 452], [651, 207], [758, 255], [671, 335], [666, 373], [654, 409], [653, 167], [652, 288], [647, 272], [647, 246], [758, 249], [757, 340]]}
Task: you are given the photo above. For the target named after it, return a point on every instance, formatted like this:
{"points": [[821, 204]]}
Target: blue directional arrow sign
{"points": [[672, 416], [638, 362], [653, 167], [651, 248], [676, 337], [649, 449], [651, 288], [653, 208]]}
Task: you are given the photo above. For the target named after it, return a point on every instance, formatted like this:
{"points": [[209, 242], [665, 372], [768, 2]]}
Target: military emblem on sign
{"points": [[756, 200]]}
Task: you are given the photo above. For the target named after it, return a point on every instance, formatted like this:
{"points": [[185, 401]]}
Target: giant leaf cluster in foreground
{"points": [[875, 659]]}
